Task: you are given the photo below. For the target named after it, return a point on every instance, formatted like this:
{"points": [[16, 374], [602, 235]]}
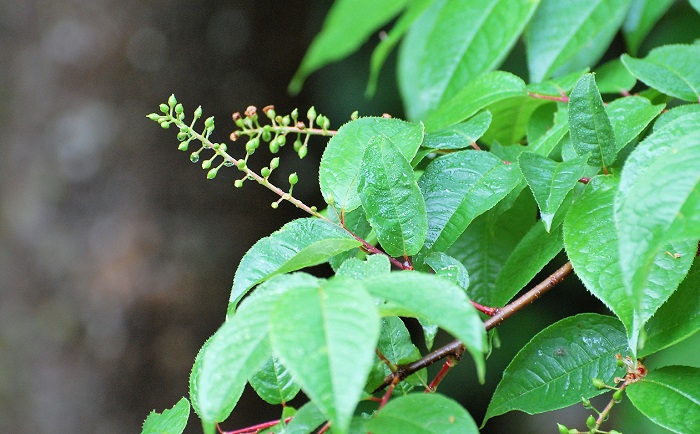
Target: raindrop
{"points": [[194, 157], [228, 163]]}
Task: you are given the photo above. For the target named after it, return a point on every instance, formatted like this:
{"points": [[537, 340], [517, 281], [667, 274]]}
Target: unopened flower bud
{"points": [[275, 163], [354, 115], [265, 172], [269, 112], [293, 179], [238, 183], [617, 396], [198, 112], [562, 429], [212, 173], [209, 123], [311, 114], [153, 116], [172, 100], [179, 109], [590, 422], [598, 383], [303, 151], [164, 108]]}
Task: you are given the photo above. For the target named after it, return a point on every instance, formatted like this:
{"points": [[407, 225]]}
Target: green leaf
{"points": [[591, 243], [306, 420], [459, 187], [439, 55], [475, 95], [568, 36], [340, 166], [555, 369], [695, 4], [273, 383], [629, 117], [670, 397], [533, 252], [677, 319], [395, 344], [391, 199], [545, 144], [589, 126], [346, 28], [683, 113], [641, 18], [356, 222], [672, 69], [326, 336], [613, 77], [172, 421], [436, 299], [422, 414], [375, 265], [461, 135], [448, 267], [549, 181]]}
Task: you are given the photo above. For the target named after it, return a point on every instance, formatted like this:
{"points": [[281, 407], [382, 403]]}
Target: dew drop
{"points": [[194, 157]]}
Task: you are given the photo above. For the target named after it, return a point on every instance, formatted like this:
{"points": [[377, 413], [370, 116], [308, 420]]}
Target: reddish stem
{"points": [[255, 428], [490, 311], [449, 364], [562, 98]]}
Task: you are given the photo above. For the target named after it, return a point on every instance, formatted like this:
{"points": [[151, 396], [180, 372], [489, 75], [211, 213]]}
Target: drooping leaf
{"points": [[641, 18], [475, 95], [442, 302], [448, 267], [568, 36], [629, 117], [273, 383], [391, 199], [591, 243], [346, 28], [555, 369], [298, 244], [670, 397], [326, 336], [549, 181], [613, 77], [422, 414], [171, 421], [374, 265], [340, 166], [437, 57], [460, 186], [672, 69], [589, 126], [459, 136]]}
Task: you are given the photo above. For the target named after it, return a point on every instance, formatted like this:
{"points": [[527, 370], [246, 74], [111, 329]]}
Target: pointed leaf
{"points": [[438, 56], [299, 244], [391, 198], [589, 127], [306, 420], [555, 369], [273, 383], [629, 117], [475, 95], [460, 186], [422, 414], [340, 166], [421, 295], [613, 77], [670, 397], [346, 27], [641, 18], [672, 69], [172, 421], [461, 135], [549, 181], [448, 267], [568, 36], [326, 336]]}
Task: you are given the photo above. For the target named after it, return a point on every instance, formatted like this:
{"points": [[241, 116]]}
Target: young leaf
{"points": [[391, 199], [437, 57], [326, 336], [555, 369], [568, 36], [613, 77], [436, 299], [549, 181], [459, 136], [448, 267], [460, 186], [672, 69], [589, 127], [346, 28], [670, 397], [629, 117], [273, 383], [476, 95], [172, 421], [641, 18], [340, 165], [422, 414], [298, 244]]}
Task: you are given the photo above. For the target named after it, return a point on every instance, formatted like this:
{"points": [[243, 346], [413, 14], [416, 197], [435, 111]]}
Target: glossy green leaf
{"points": [[172, 421], [613, 77], [670, 397], [356, 222], [273, 383], [415, 294], [391, 199], [421, 413], [448, 267], [298, 244], [395, 344], [374, 265], [555, 369], [346, 27], [641, 18], [549, 181], [629, 117], [672, 69], [340, 166], [439, 55], [459, 136], [589, 126], [326, 336], [685, 113], [474, 96], [530, 256], [568, 36], [591, 243], [677, 319], [306, 420], [546, 143], [460, 186]]}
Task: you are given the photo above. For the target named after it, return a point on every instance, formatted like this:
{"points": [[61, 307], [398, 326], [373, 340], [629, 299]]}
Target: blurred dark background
{"points": [[116, 253]]}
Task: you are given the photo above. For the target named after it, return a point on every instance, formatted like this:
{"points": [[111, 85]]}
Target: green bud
{"points": [[181, 116], [281, 140], [240, 123], [598, 383], [209, 123], [206, 164], [238, 183], [265, 172], [153, 116], [212, 173], [311, 114], [326, 123], [354, 115], [172, 101], [275, 163], [251, 146], [164, 108], [274, 147], [285, 120], [562, 429], [182, 136], [295, 115], [241, 165], [165, 125], [266, 135], [613, 431], [223, 147], [303, 151], [293, 179], [271, 114], [179, 109], [617, 396], [297, 145], [274, 205], [586, 402], [590, 422], [198, 112], [183, 146], [194, 157], [620, 363]]}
